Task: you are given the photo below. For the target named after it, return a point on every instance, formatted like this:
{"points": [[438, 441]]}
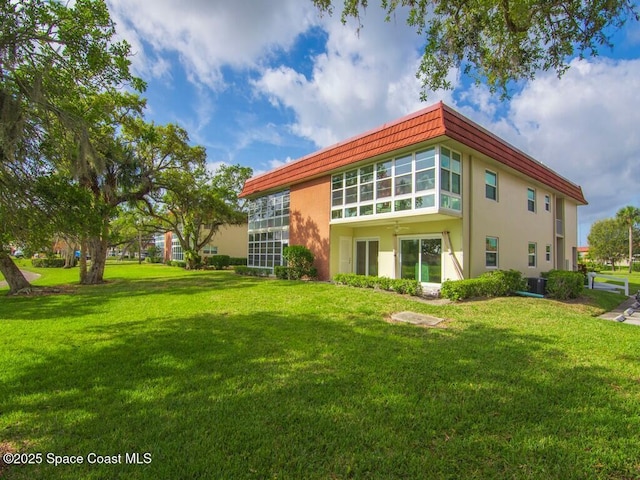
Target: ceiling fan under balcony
{"points": [[397, 228]]}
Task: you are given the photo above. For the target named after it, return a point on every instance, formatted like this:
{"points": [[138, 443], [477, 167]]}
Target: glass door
{"points": [[421, 259], [367, 257]]}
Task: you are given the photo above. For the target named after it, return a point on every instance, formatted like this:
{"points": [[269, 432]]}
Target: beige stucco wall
{"points": [[388, 256], [231, 240], [509, 220]]}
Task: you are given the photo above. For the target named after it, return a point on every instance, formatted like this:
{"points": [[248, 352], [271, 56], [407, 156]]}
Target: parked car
{"points": [[18, 254]]}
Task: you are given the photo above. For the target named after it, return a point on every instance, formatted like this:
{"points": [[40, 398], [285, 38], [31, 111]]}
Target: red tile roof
{"points": [[432, 122]]}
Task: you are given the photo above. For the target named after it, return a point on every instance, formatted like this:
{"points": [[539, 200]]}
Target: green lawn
{"points": [[219, 376]]}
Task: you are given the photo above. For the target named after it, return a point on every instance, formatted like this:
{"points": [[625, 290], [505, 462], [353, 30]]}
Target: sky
{"points": [[262, 83]]}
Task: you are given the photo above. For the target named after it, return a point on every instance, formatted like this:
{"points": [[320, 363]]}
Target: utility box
{"points": [[537, 285]]}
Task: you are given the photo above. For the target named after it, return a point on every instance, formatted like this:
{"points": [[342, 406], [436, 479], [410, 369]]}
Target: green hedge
{"points": [[219, 262], [233, 261], [403, 286], [563, 284], [48, 262], [498, 283], [251, 271], [177, 263], [291, 273]]}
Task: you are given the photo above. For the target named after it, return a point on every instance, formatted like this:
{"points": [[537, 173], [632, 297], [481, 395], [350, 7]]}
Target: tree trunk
{"points": [[98, 247], [12, 274]]}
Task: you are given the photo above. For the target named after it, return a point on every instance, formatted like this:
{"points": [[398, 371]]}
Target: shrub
{"points": [[498, 283], [299, 262], [154, 255], [48, 262], [403, 286], [177, 263], [233, 261], [459, 289], [219, 262], [563, 285], [281, 272], [251, 271]]}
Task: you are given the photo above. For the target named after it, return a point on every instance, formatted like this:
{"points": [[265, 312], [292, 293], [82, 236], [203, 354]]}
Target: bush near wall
{"points": [[299, 263], [48, 262], [402, 286], [177, 263], [291, 273], [498, 283], [233, 261], [251, 271], [219, 262], [563, 285]]}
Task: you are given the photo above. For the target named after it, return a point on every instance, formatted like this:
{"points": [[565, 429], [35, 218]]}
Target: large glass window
{"points": [[269, 229], [399, 184], [176, 249], [450, 179]]}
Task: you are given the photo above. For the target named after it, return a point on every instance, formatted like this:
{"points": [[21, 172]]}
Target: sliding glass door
{"points": [[421, 259]]}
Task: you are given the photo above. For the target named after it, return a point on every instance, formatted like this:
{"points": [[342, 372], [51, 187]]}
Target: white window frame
{"points": [[533, 255], [529, 189], [497, 252], [548, 252], [407, 203], [495, 174], [547, 203]]}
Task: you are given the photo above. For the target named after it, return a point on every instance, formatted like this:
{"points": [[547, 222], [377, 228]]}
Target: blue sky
{"points": [[261, 83]]}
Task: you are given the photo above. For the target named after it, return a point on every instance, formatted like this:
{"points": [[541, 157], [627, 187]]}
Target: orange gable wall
{"points": [[309, 222]]}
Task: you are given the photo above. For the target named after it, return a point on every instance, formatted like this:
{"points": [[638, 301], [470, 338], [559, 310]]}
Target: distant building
{"points": [[229, 240]]}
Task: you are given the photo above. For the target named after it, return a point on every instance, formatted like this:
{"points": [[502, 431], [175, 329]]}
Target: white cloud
{"points": [[360, 82], [275, 163], [208, 35], [583, 125]]}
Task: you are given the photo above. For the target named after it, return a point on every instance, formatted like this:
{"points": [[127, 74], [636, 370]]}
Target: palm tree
{"points": [[629, 216]]}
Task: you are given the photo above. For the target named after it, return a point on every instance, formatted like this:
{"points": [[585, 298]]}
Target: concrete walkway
{"points": [[627, 312], [30, 276]]}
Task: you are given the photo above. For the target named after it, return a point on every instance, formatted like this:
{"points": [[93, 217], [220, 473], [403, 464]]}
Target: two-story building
{"points": [[431, 196]]}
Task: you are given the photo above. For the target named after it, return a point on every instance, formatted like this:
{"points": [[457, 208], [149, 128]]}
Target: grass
{"points": [[219, 376]]}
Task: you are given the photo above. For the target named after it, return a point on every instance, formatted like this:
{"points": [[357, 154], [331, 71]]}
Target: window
{"points": [[209, 250], [269, 227], [491, 185], [531, 200], [547, 253], [547, 203], [532, 254], [450, 170], [425, 178], [176, 249], [401, 184], [491, 252]]}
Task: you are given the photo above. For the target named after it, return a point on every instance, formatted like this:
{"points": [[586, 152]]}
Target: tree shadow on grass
{"points": [[268, 395]]}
